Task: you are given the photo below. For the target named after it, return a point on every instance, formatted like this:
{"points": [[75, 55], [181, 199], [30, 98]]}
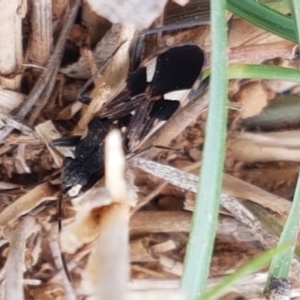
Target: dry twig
{"points": [[14, 266], [51, 67]]}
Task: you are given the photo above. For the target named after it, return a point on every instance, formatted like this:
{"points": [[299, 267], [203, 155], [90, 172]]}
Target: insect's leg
{"points": [[59, 212], [59, 222], [69, 141], [198, 89]]}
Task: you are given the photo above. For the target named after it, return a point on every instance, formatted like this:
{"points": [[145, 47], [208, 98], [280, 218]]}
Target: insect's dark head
{"points": [[73, 174], [77, 177]]}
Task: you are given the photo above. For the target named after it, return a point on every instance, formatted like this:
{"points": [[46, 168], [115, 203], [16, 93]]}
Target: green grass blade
{"points": [[240, 71], [263, 72], [268, 221], [295, 9], [264, 17], [280, 265], [205, 216], [252, 266], [281, 6]]}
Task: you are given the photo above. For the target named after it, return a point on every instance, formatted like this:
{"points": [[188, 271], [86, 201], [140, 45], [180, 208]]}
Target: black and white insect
{"points": [[153, 92]]}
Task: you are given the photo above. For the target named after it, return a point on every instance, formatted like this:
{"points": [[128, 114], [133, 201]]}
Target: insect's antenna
{"points": [[65, 267], [59, 211], [198, 90], [84, 99], [59, 221]]}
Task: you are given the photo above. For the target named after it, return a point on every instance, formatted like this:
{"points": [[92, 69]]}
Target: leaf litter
{"points": [[105, 233]]}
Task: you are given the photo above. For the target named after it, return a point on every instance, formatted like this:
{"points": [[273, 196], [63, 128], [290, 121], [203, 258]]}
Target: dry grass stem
{"points": [[15, 124], [14, 266], [56, 253], [259, 53], [273, 146], [168, 221], [51, 66], [11, 51], [69, 111], [107, 85], [105, 236], [41, 36], [253, 290], [44, 97], [26, 203], [189, 182], [10, 100], [107, 45], [20, 163], [244, 190], [159, 189]]}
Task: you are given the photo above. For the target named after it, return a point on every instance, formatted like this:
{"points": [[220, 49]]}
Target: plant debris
{"points": [[136, 220]]}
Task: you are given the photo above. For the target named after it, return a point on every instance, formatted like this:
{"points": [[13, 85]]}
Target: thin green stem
{"points": [[205, 216]]}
